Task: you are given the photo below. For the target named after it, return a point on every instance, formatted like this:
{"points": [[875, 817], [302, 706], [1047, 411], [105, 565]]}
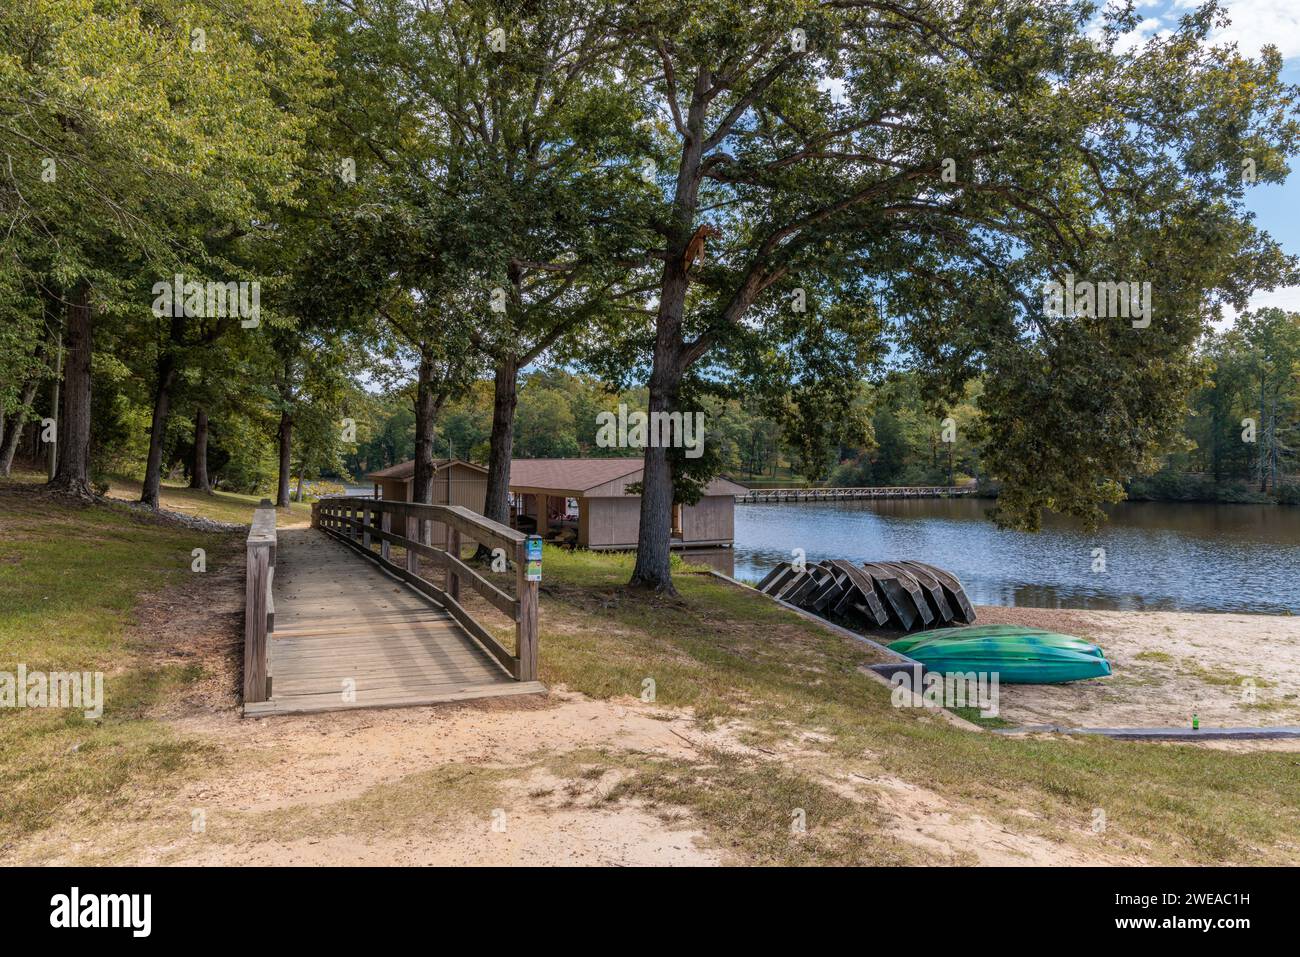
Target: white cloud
{"points": [[1256, 23], [1287, 297], [1139, 35]]}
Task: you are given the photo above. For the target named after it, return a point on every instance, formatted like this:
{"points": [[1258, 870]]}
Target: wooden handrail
{"points": [[259, 606], [339, 517]]}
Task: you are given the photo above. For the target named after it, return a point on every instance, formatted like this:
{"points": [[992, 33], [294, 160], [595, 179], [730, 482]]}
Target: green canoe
{"points": [[1018, 655]]}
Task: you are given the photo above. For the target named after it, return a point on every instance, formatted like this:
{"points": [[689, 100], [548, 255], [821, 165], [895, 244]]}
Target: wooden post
{"points": [[315, 514], [453, 549], [412, 532], [365, 520], [260, 548], [526, 628], [259, 569], [386, 523]]}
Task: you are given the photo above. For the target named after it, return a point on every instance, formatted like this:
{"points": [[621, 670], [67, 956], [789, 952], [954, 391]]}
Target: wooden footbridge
{"points": [[333, 621], [757, 495]]}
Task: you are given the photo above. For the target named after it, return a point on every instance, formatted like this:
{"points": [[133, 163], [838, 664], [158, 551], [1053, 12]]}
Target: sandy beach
{"points": [[1230, 670]]}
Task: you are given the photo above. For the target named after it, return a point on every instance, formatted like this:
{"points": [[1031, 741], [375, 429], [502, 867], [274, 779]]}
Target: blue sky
{"points": [[1255, 23]]}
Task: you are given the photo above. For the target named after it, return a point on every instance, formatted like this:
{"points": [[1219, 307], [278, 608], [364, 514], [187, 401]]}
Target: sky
{"points": [[1254, 24]]}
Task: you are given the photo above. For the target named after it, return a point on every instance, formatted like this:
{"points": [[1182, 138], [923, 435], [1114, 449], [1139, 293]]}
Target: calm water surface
{"points": [[1158, 555]]}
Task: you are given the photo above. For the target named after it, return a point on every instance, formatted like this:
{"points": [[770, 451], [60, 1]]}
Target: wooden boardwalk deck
{"points": [[348, 635]]}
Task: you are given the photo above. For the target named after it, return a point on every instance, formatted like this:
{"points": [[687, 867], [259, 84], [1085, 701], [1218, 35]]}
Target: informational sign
{"points": [[533, 557]]}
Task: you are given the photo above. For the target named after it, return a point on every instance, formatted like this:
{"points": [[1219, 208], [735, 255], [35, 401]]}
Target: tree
{"points": [[498, 121], [1271, 338], [123, 121], [951, 159]]}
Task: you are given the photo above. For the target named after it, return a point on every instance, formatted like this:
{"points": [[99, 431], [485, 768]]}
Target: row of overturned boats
{"points": [[902, 595]]}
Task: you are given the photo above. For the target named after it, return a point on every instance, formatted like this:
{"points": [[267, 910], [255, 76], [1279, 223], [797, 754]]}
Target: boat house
{"points": [[586, 501], [579, 501], [454, 483]]}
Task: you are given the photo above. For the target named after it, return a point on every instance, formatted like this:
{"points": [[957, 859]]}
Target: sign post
{"points": [[533, 555]]}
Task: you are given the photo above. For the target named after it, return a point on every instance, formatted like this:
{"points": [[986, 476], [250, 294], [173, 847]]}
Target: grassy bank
{"points": [[70, 579], [219, 506], [786, 728], [793, 687]]}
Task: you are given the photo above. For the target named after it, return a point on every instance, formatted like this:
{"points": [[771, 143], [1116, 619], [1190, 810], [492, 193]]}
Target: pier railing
{"points": [[756, 495], [363, 522]]}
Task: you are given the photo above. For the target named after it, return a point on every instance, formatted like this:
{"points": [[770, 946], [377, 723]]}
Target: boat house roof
{"points": [[590, 478], [406, 470]]}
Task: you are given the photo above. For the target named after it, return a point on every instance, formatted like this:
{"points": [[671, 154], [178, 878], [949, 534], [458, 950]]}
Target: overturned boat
{"points": [[902, 595], [1017, 655]]}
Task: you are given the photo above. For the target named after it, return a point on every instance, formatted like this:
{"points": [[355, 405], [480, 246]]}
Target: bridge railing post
{"points": [[453, 577], [526, 627], [260, 549], [412, 533]]}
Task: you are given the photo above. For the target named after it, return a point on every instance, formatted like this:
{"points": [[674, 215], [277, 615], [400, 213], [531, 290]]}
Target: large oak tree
{"points": [[952, 157]]}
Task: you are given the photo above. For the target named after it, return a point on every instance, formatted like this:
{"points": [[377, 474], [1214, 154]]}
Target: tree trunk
{"points": [[286, 438], [199, 468], [654, 535], [15, 433], [426, 413], [162, 407], [297, 492], [52, 453], [422, 483], [501, 444], [72, 476]]}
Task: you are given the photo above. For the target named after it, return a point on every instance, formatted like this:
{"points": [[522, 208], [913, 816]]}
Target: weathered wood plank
{"points": [[310, 704], [458, 570], [348, 625], [463, 618]]}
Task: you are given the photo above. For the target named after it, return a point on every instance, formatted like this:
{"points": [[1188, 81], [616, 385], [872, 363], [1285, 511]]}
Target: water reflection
{"points": [[1158, 555], [719, 559]]}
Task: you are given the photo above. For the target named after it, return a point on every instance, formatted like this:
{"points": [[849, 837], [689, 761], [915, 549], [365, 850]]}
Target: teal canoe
{"points": [[1017, 654]]}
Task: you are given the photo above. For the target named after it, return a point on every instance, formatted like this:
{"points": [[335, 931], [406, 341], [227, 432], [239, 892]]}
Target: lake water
{"points": [[1158, 555]]}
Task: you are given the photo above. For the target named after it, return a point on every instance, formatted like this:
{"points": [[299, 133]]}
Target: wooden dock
{"points": [[346, 633], [758, 495]]}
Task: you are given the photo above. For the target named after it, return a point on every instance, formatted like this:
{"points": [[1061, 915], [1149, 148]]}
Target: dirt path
{"points": [[506, 781]]}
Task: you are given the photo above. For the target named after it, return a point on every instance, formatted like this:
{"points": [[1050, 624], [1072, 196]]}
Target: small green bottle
{"points": [[1196, 722]]}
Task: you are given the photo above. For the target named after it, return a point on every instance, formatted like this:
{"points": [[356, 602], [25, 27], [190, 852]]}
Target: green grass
{"points": [[729, 654], [233, 507], [69, 579]]}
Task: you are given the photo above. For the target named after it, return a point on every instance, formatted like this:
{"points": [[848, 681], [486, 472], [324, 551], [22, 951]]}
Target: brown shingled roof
{"points": [[406, 470], [573, 475], [560, 475]]}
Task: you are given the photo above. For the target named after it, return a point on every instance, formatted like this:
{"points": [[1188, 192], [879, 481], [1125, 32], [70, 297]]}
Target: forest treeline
{"points": [[1240, 442]]}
